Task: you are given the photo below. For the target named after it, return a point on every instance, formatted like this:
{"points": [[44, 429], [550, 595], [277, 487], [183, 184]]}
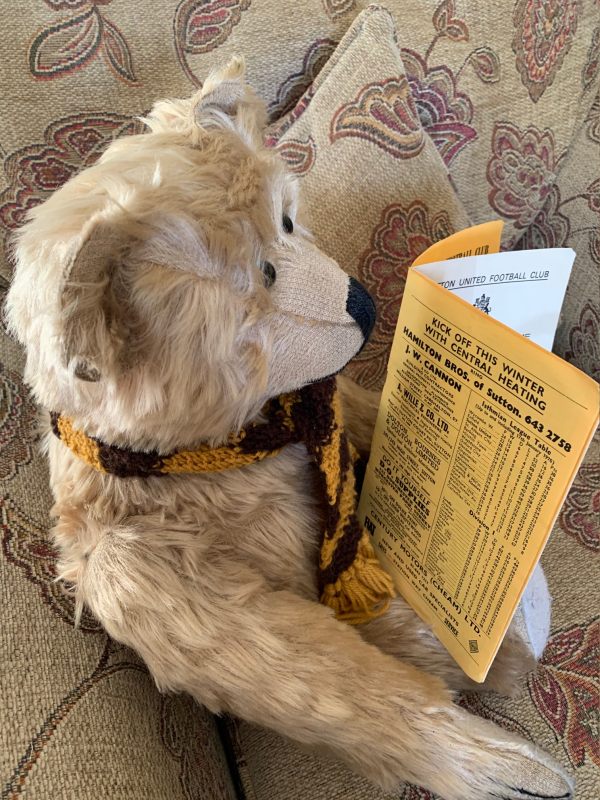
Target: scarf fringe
{"points": [[363, 591]]}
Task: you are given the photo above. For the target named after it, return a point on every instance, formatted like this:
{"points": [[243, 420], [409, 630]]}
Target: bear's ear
{"points": [[223, 90], [226, 99], [90, 313]]}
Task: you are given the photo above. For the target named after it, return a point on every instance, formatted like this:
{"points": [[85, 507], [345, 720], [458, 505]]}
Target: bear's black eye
{"points": [[288, 225], [269, 273]]}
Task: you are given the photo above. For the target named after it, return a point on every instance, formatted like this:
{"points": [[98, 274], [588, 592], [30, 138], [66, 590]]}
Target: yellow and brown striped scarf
{"points": [[350, 578]]}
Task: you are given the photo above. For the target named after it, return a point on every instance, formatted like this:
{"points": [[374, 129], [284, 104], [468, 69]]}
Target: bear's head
{"points": [[166, 292]]}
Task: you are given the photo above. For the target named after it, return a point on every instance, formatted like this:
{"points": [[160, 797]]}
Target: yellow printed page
{"points": [[478, 240], [478, 438]]}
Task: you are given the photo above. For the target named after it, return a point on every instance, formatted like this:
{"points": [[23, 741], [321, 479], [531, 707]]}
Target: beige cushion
{"points": [[375, 188]]}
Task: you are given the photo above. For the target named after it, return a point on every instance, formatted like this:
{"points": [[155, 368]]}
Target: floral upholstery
{"points": [[438, 114]]}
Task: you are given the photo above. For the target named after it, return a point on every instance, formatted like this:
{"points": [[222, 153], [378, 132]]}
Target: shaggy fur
{"points": [[140, 298]]}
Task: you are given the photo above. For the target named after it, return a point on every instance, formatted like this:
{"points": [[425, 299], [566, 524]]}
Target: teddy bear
{"points": [[185, 335]]}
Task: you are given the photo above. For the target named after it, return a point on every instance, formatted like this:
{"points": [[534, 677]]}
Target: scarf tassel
{"points": [[363, 591]]}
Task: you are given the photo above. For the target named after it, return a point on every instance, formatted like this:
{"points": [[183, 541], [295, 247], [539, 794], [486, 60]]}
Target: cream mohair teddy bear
{"points": [[171, 304]]}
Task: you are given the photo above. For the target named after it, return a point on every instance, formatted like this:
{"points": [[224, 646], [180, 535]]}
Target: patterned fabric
{"points": [[466, 111], [570, 217], [543, 36], [76, 41], [351, 581]]}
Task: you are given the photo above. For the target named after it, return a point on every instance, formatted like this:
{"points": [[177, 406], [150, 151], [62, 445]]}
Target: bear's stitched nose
{"points": [[361, 307]]}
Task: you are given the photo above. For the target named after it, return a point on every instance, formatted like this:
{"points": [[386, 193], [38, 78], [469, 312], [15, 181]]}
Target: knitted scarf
{"points": [[350, 578]]}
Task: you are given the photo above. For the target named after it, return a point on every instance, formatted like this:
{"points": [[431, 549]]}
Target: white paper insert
{"points": [[523, 289]]}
